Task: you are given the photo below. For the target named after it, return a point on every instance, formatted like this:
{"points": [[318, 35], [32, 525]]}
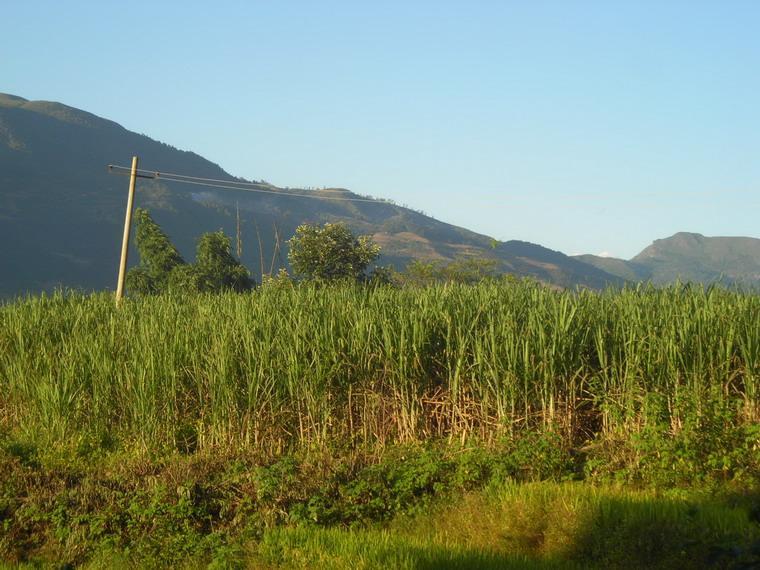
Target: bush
{"points": [[163, 270], [330, 252]]}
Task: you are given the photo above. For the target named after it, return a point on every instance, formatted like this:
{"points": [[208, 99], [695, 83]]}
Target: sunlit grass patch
{"points": [[374, 549], [611, 527]]}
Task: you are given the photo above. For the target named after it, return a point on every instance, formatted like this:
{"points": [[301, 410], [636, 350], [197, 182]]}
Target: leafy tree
{"points": [[184, 279], [162, 268], [421, 273], [467, 270], [139, 281], [470, 270], [215, 267], [330, 252], [158, 257], [383, 275]]}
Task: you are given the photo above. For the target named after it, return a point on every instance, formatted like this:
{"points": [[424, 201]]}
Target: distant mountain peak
{"points": [[690, 256], [682, 239]]}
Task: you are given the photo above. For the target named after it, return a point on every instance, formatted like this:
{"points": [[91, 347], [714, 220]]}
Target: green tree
{"points": [[159, 258], [162, 268], [421, 273], [216, 269], [468, 270], [330, 252]]}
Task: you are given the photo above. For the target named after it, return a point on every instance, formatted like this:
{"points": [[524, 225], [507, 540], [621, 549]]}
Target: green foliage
{"points": [[159, 258], [184, 279], [465, 270], [707, 446], [537, 526], [216, 269], [296, 404], [335, 549], [381, 276], [378, 492], [330, 252], [275, 483], [409, 478], [296, 366], [162, 269], [281, 280], [456, 504]]}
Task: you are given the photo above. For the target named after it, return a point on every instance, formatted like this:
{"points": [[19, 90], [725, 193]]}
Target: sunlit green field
{"points": [[498, 425], [296, 366]]}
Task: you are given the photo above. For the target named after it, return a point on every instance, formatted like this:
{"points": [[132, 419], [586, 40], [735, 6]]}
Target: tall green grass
{"points": [[285, 367]]}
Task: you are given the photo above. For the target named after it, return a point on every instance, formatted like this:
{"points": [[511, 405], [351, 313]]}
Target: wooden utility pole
{"points": [[239, 242], [127, 227]]}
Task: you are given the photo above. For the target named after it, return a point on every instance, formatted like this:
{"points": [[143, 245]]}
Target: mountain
{"points": [[61, 212], [628, 270], [689, 257]]}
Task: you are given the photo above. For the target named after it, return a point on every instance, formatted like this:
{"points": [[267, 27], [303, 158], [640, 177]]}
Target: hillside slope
{"points": [[61, 212], [694, 257], [628, 270], [689, 257]]}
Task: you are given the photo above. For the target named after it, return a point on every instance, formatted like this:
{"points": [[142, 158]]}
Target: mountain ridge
{"points": [[64, 213], [692, 257]]}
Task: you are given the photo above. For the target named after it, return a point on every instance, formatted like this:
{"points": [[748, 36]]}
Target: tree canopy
{"points": [[468, 270], [159, 258], [162, 269], [216, 269], [330, 252]]}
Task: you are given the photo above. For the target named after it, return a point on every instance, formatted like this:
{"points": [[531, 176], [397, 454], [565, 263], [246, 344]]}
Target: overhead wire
{"points": [[256, 187], [161, 174]]}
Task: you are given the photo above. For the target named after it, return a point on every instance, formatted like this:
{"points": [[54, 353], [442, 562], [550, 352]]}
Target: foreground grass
{"points": [[532, 526], [500, 425], [411, 507], [537, 526]]}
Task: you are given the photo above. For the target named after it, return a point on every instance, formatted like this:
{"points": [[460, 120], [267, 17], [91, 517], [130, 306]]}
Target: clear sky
{"points": [[585, 126]]}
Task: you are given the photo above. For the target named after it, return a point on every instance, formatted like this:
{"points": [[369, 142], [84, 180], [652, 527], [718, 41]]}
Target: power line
{"points": [[233, 185], [283, 193], [158, 174]]}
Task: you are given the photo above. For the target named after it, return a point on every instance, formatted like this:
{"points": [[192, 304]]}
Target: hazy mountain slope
{"points": [[689, 257], [694, 257], [628, 270], [552, 266], [61, 213]]}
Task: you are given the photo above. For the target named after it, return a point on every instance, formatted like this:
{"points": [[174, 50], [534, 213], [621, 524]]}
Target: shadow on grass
{"points": [[668, 533], [542, 526]]}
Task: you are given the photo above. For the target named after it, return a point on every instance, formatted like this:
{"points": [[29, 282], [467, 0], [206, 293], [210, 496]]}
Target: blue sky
{"points": [[583, 126]]}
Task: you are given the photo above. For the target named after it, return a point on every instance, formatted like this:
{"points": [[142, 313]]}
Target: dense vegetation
{"points": [[162, 269], [330, 252], [289, 366], [197, 426]]}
